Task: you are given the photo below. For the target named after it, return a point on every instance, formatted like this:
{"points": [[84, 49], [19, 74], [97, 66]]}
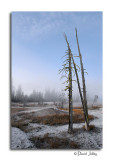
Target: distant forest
{"points": [[18, 95], [36, 96]]}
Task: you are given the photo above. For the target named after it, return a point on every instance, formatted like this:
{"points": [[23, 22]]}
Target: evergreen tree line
{"points": [[36, 96]]}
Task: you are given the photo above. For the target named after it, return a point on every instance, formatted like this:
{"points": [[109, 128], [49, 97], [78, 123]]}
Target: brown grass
{"points": [[59, 119], [20, 124], [16, 110], [91, 127], [47, 120], [55, 119], [47, 142], [77, 110], [24, 126]]}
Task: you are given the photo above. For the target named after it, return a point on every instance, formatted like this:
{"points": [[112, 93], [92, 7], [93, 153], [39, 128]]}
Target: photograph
{"points": [[56, 90]]}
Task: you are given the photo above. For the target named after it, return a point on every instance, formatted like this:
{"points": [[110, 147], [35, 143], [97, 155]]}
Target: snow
{"points": [[85, 139], [52, 130], [97, 113], [88, 140], [37, 109], [20, 140]]}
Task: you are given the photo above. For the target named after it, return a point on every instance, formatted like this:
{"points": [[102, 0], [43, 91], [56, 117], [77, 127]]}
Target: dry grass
{"points": [[24, 126], [47, 120], [47, 142], [91, 127], [20, 124], [54, 119], [78, 107], [16, 110], [95, 107], [59, 119], [77, 110]]}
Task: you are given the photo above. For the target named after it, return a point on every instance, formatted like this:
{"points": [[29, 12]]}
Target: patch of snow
{"points": [[37, 109], [52, 130], [65, 111], [19, 139], [86, 139], [97, 113], [56, 130]]}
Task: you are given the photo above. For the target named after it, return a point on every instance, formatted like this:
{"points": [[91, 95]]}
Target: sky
{"points": [[38, 46]]}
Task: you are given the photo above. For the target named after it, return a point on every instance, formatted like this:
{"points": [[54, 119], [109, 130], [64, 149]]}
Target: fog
{"points": [[55, 93]]}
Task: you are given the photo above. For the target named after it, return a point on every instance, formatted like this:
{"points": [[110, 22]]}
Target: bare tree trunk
{"points": [[70, 94], [70, 128], [84, 86], [79, 88]]}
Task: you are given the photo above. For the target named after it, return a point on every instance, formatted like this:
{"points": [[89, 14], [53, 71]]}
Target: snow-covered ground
{"points": [[35, 109], [97, 113], [20, 140], [85, 139]]}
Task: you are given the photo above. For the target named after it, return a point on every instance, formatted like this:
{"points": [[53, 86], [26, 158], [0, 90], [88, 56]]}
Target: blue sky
{"points": [[38, 45]]}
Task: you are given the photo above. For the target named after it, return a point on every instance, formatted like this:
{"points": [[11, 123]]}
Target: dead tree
{"points": [[78, 82], [67, 69], [70, 92], [70, 129], [84, 86], [79, 88]]}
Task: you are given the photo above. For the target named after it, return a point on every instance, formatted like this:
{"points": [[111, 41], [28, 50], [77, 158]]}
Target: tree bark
{"points": [[79, 88], [70, 94], [84, 86]]}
